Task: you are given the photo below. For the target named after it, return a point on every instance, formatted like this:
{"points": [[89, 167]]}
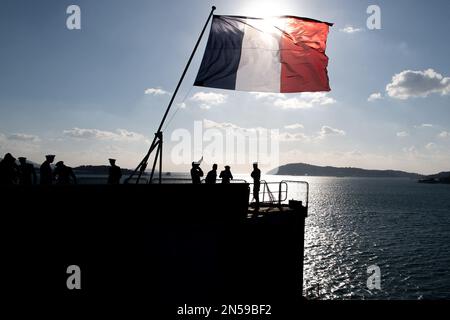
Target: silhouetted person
{"points": [[64, 174], [212, 175], [46, 172], [115, 173], [9, 171], [27, 174], [226, 175], [196, 173], [256, 175]]}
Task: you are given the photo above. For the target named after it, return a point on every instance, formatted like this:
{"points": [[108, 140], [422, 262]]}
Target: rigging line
{"points": [[178, 108]]}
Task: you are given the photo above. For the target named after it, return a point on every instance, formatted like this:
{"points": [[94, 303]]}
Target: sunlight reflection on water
{"points": [[398, 224]]}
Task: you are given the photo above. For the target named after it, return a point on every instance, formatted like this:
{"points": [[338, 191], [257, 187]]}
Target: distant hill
{"points": [[303, 169], [441, 177]]}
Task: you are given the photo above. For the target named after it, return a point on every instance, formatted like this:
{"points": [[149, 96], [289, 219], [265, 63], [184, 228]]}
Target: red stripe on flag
{"points": [[303, 60]]}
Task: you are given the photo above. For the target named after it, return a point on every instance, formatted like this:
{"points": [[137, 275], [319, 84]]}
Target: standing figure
{"points": [[196, 173], [64, 174], [27, 174], [226, 175], [9, 171], [46, 172], [115, 173], [256, 175], [212, 175]]}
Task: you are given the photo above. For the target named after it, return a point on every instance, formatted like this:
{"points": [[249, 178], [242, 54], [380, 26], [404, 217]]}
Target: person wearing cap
{"points": [[64, 174], [45, 171], [9, 171], [212, 175], [115, 173], [226, 175], [196, 173], [27, 174], [256, 175]]}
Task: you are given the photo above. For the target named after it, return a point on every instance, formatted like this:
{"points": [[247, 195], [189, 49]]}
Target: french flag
{"points": [[280, 54]]}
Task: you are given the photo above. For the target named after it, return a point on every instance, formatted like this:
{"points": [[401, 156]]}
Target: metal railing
{"points": [[189, 180], [270, 193], [277, 193]]}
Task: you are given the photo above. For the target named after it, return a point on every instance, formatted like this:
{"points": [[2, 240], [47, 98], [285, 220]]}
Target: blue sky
{"points": [[81, 94]]}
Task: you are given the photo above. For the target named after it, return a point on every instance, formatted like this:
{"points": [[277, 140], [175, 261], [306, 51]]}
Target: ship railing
{"points": [[189, 180], [270, 193], [278, 193]]}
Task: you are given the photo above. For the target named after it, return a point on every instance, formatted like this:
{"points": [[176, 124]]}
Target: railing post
{"points": [[279, 193]]}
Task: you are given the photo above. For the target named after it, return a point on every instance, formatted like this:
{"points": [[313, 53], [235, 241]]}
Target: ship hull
{"points": [[160, 246]]}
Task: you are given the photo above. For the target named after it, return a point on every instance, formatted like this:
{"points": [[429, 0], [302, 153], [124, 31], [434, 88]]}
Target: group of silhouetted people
{"points": [[226, 176], [24, 173], [211, 177]]}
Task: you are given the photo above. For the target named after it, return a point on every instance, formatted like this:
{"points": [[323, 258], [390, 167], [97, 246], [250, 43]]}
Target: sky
{"points": [[99, 92]]}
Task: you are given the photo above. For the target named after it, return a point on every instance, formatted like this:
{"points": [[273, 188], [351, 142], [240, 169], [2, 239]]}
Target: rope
{"points": [[178, 108]]}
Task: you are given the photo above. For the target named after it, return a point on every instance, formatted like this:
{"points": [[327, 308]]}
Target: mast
{"points": [[158, 139]]}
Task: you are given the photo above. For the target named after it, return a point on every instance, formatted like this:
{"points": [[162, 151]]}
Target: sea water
{"points": [[399, 225]]}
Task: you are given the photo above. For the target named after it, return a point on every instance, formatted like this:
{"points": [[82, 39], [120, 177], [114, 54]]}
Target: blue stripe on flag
{"points": [[222, 54]]}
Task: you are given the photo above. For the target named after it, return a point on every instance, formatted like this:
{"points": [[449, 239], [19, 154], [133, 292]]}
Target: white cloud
{"points": [[23, 137], [281, 136], [290, 137], [294, 126], [156, 91], [95, 134], [444, 134], [275, 134], [329, 131], [402, 134], [426, 125], [410, 84], [208, 99], [375, 96], [208, 124], [411, 150], [267, 95], [430, 146], [304, 100], [350, 29], [21, 144]]}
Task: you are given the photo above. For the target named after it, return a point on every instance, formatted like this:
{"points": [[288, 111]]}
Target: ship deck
{"points": [[168, 244]]}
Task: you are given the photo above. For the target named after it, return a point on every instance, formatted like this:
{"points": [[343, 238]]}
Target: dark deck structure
{"points": [[158, 246]]}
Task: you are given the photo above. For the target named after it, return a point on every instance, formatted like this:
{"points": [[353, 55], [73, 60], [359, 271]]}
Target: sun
{"points": [[267, 8]]}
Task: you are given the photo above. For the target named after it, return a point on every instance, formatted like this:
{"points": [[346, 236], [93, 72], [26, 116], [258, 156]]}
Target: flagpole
{"points": [[157, 140]]}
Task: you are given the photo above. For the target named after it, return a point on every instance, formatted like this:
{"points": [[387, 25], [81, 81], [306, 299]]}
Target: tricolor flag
{"points": [[280, 54]]}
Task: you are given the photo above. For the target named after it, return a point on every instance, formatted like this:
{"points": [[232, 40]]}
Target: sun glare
{"points": [[267, 8]]}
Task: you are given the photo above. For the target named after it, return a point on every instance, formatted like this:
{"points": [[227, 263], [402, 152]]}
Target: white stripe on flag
{"points": [[260, 68]]}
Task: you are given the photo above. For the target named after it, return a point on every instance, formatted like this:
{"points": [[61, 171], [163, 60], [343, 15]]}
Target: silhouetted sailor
{"points": [[212, 175], [27, 174], [9, 171], [196, 173], [226, 175], [115, 173], [256, 175], [46, 172], [64, 174]]}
